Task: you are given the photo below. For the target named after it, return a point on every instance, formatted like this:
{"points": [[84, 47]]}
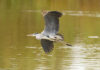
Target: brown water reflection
{"points": [[79, 25]]}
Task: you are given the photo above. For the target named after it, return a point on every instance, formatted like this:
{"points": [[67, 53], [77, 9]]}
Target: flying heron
{"points": [[50, 33]]}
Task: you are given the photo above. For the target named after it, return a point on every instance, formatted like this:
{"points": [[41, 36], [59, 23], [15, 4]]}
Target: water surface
{"points": [[80, 26]]}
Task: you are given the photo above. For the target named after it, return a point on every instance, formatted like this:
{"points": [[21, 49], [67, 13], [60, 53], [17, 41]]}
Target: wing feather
{"points": [[51, 23], [47, 45]]}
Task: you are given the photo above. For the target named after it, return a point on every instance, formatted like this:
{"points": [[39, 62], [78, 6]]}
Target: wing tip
{"points": [[48, 51], [55, 13]]}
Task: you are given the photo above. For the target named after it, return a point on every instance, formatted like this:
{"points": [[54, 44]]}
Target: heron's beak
{"points": [[31, 35]]}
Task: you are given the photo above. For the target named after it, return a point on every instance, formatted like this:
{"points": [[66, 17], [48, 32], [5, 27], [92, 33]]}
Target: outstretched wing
{"points": [[47, 45], [51, 23]]}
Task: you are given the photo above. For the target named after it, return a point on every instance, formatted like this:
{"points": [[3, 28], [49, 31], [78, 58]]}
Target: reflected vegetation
{"points": [[80, 26]]}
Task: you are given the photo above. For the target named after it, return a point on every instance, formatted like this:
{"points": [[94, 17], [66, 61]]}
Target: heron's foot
{"points": [[68, 44]]}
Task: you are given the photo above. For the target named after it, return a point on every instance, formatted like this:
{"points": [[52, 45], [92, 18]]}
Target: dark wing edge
{"points": [[47, 45], [55, 13]]}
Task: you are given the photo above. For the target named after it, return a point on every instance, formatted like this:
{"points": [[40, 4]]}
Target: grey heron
{"points": [[50, 33]]}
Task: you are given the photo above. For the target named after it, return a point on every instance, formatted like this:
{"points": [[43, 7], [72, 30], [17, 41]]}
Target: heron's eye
{"points": [[48, 36], [55, 37]]}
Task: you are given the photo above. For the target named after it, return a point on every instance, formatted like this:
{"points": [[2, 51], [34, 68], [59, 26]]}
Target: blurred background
{"points": [[80, 26]]}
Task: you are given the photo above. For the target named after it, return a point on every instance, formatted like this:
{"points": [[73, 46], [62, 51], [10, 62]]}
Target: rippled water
{"points": [[79, 25]]}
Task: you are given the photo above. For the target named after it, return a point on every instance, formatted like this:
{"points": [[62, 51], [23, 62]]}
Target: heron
{"points": [[50, 33]]}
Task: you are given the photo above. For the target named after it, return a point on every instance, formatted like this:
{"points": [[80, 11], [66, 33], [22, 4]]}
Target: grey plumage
{"points": [[51, 23]]}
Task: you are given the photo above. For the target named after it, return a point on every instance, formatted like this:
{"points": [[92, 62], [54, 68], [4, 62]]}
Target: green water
{"points": [[80, 26]]}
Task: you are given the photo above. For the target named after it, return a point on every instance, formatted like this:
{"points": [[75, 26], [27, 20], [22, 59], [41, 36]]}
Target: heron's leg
{"points": [[63, 42]]}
